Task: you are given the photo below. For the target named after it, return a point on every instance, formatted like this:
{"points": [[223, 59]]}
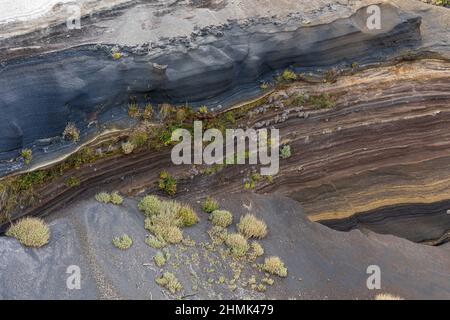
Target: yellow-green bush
{"points": [[150, 205], [252, 227], [187, 216], [160, 259], [116, 198], [274, 265], [237, 244], [124, 242], [170, 282], [221, 218], [27, 155], [256, 250], [31, 232], [103, 197], [165, 218], [210, 205]]}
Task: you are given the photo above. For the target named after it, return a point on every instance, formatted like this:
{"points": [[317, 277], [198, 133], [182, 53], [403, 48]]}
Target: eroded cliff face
{"points": [[221, 66], [367, 119]]}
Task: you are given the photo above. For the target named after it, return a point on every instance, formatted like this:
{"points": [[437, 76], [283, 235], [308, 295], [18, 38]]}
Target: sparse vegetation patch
{"points": [[170, 282]]}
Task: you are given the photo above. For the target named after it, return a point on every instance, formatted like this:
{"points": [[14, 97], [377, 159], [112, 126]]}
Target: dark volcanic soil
{"points": [[322, 263]]}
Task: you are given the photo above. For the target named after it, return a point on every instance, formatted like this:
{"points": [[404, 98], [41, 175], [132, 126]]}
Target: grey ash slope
{"points": [[322, 263]]}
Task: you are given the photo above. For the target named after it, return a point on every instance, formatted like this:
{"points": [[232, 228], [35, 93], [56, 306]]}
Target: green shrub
{"points": [[170, 282], [160, 259], [127, 147], [139, 137], [72, 182], [203, 110], [252, 227], [103, 197], [188, 216], [116, 55], [221, 218], [116, 199], [287, 76], [27, 155], [124, 242], [71, 132], [285, 152], [264, 86], [150, 205], [249, 185], [237, 244], [322, 101], [31, 232], [274, 265], [167, 183], [210, 205]]}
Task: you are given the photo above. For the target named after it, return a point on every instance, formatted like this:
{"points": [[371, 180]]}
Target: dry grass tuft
{"points": [[274, 265], [31, 232], [237, 243], [221, 218], [387, 296], [252, 227], [256, 250]]}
